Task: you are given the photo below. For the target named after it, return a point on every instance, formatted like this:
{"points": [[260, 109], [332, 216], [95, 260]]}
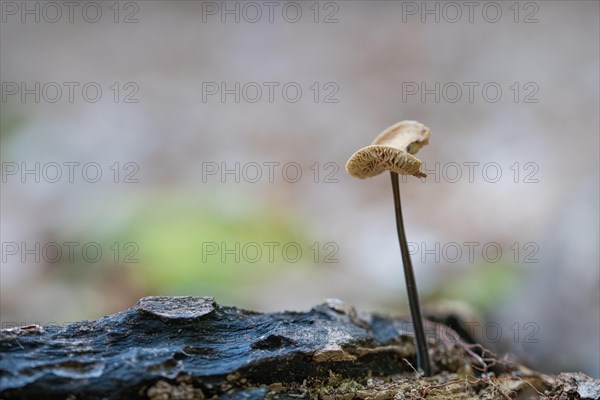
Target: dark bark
{"points": [[190, 347]]}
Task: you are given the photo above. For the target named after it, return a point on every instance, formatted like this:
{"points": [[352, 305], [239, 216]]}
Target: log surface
{"points": [[193, 348], [170, 337]]}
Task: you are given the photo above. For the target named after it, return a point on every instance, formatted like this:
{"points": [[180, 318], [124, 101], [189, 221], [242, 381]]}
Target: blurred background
{"points": [[198, 148]]}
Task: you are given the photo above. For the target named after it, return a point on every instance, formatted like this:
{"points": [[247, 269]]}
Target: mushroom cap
{"points": [[392, 150]]}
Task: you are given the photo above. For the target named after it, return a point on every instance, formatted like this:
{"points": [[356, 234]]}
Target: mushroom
{"points": [[393, 150]]}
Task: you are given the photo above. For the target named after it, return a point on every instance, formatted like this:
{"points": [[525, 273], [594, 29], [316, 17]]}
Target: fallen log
{"points": [[193, 348]]}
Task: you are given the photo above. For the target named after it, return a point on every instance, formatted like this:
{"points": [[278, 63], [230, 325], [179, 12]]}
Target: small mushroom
{"points": [[393, 150]]}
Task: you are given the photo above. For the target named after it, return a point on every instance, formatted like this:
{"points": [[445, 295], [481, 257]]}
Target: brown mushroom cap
{"points": [[392, 150]]}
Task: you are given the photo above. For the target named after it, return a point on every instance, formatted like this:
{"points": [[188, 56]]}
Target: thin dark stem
{"points": [[411, 286]]}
